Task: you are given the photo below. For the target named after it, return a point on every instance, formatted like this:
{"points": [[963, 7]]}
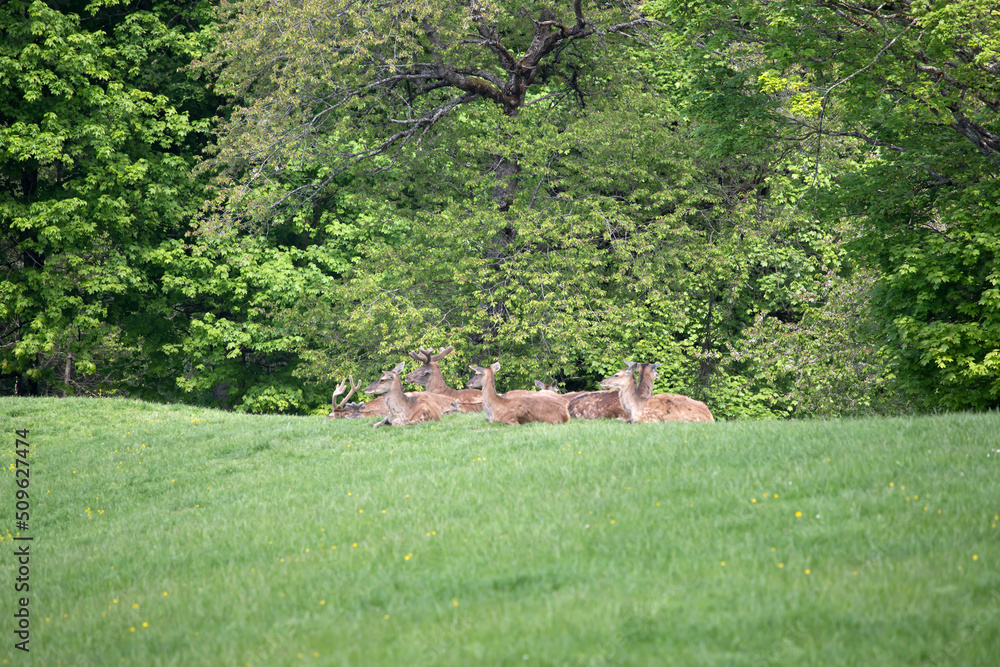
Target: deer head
{"points": [[541, 386], [647, 374], [479, 374], [384, 383], [618, 380], [429, 364]]}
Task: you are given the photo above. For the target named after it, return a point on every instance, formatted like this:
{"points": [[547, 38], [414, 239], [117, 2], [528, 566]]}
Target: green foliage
{"points": [[97, 139], [624, 237], [618, 247], [939, 303], [270, 399], [792, 208], [828, 364], [914, 84]]}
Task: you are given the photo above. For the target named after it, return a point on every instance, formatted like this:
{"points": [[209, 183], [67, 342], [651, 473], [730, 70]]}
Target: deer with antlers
{"points": [[377, 407], [429, 375], [517, 409], [635, 393], [345, 410], [406, 409]]}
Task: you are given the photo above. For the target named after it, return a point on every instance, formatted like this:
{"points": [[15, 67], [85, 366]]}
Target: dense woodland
{"points": [[793, 207]]}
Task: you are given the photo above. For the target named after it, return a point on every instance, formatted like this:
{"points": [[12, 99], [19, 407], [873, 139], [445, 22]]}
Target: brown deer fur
{"points": [[542, 389], [429, 375], [600, 404], [403, 410], [597, 405], [537, 407], [379, 408], [635, 386]]}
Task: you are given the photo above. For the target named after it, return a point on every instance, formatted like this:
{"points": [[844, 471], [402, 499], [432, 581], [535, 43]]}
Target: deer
{"points": [[635, 393], [378, 407], [517, 409], [429, 375], [600, 404], [345, 410], [597, 405], [540, 389], [405, 410]]}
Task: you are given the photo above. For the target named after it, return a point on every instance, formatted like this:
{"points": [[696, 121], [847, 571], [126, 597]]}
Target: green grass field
{"points": [[169, 535]]}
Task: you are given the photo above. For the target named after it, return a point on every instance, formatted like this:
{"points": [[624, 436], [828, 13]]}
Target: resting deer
{"points": [[542, 390], [404, 410], [518, 409], [429, 375], [597, 405], [554, 388], [600, 404], [378, 407], [635, 392], [345, 410]]}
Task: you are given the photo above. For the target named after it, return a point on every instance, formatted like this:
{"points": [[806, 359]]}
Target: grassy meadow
{"points": [[170, 535]]}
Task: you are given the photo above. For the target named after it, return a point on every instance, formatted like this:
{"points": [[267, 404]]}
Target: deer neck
{"points": [[629, 397], [491, 399], [436, 383], [644, 387], [395, 399]]}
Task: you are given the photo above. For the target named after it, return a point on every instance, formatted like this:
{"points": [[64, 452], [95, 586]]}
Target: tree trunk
{"points": [[67, 373]]}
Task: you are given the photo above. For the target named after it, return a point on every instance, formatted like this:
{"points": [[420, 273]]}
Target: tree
{"points": [[915, 85], [98, 133], [334, 84], [610, 233]]}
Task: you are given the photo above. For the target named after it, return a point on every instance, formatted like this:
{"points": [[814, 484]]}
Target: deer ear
{"points": [[495, 366], [474, 369], [539, 385], [655, 366], [399, 367], [631, 364]]}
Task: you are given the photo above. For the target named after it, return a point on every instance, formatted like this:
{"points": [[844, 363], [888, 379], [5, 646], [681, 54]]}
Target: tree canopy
{"points": [[98, 134], [916, 83], [791, 207]]}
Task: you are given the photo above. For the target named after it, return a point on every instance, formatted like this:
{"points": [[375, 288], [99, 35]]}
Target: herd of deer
{"points": [[628, 396]]}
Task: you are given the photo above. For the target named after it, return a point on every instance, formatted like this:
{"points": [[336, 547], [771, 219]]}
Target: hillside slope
{"points": [[166, 535]]}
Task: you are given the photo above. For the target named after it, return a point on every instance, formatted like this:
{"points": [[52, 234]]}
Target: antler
{"points": [[337, 392], [424, 356], [340, 390], [445, 351]]}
